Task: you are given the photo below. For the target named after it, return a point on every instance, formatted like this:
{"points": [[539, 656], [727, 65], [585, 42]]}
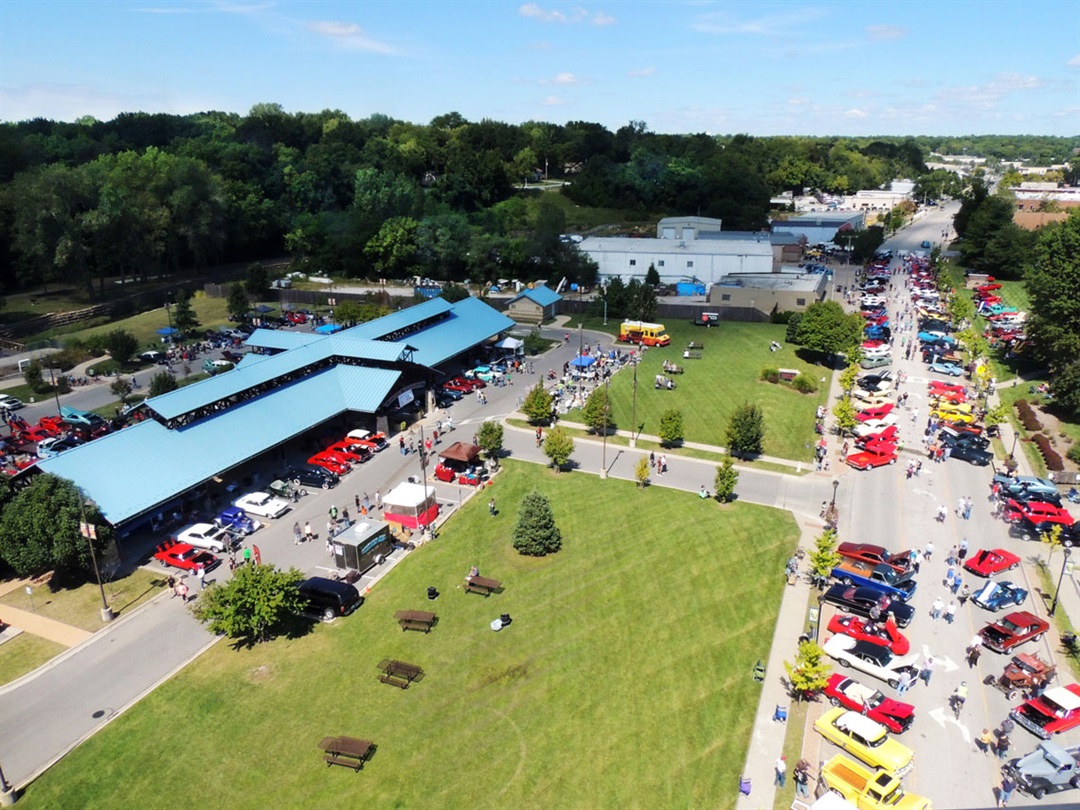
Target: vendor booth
{"points": [[460, 461], [363, 545], [410, 505]]}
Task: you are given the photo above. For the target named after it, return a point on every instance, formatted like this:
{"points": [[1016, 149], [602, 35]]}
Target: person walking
{"points": [[959, 698], [200, 572], [297, 533], [781, 771], [964, 594], [182, 591], [801, 776], [1003, 743], [968, 504], [491, 507], [936, 609], [928, 551], [927, 670], [308, 533], [1008, 786], [973, 654], [962, 550], [905, 682], [367, 503], [330, 525], [985, 741], [172, 586], [329, 546], [378, 500], [950, 611], [356, 501]]}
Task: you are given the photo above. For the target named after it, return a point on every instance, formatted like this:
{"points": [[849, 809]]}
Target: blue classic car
{"points": [[997, 595], [951, 369], [936, 337], [236, 520]]}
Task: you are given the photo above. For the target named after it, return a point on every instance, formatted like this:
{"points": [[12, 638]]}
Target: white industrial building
{"points": [[820, 228], [707, 260]]}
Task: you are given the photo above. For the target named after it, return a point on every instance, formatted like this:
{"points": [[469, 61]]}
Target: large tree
{"points": [[121, 345], [1053, 278], [184, 318], [746, 430], [826, 328], [490, 439], [597, 411], [39, 529], [254, 605], [536, 533], [558, 447], [537, 405]]}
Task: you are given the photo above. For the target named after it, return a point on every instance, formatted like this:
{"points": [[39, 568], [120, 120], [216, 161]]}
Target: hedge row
{"points": [[803, 383], [1053, 459], [1028, 418]]}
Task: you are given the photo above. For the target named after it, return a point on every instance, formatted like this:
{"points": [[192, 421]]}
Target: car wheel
{"points": [[296, 482], [1038, 793], [328, 614], [892, 461], [1038, 637], [989, 680], [1012, 694], [834, 701], [893, 682], [326, 485], [844, 662], [1011, 567]]}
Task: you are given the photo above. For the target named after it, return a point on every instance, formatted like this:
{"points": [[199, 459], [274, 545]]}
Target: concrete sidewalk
{"points": [[41, 626]]}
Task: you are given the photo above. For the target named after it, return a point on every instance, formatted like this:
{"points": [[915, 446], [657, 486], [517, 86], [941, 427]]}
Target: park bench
{"points": [[398, 673], [692, 354], [692, 345], [416, 620], [348, 752], [482, 585], [674, 369]]}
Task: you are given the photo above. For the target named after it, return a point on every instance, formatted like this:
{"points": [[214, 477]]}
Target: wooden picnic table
{"points": [[348, 752], [399, 673], [691, 354], [694, 345], [482, 585], [416, 620]]}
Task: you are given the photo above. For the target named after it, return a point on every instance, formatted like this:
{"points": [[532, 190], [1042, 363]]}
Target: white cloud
{"points": [[1074, 62], [646, 71], [565, 79], [350, 37], [534, 11], [886, 31], [576, 15], [600, 18], [723, 22], [855, 113], [552, 101], [209, 8], [69, 102]]}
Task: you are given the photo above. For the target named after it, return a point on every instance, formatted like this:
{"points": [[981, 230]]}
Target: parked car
{"points": [[989, 561], [882, 412], [997, 595], [1053, 712], [867, 552], [1025, 671], [329, 598], [312, 477], [866, 740], [873, 659], [236, 521], [893, 714], [263, 504], [886, 633], [153, 357], [882, 577], [330, 462], [863, 601], [1036, 512], [1013, 630], [876, 362], [1022, 494], [884, 455], [965, 451], [1030, 482], [47, 448], [11, 403], [868, 789], [951, 369], [206, 535], [1069, 536], [350, 450], [1048, 769], [185, 557], [875, 426], [377, 440]]}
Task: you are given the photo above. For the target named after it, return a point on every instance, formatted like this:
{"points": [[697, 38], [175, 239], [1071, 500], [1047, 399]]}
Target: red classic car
{"points": [[886, 434], [1054, 711], [893, 714], [1037, 512], [867, 552], [330, 461], [185, 556], [877, 412], [1012, 631], [870, 458], [987, 562], [885, 634], [878, 445], [295, 317], [350, 450]]}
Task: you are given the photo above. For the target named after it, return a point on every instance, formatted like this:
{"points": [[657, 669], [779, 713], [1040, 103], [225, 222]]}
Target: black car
{"points": [[1022, 494], [966, 451], [1026, 530], [862, 601], [450, 393], [312, 476]]}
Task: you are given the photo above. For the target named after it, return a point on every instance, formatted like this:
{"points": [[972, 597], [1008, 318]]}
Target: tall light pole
{"points": [[89, 531], [8, 796], [1061, 576], [581, 350], [607, 408], [633, 410]]}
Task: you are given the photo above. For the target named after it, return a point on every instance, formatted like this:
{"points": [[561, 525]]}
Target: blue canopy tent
{"points": [[582, 361], [262, 309], [168, 333]]}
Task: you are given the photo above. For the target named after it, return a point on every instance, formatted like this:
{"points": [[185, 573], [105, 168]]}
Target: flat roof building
{"points": [[707, 260]]}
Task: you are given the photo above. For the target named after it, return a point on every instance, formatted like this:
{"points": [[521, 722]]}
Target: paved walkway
{"points": [[41, 626]]}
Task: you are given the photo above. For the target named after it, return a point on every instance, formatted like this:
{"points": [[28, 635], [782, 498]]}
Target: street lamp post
{"points": [[1061, 576], [633, 410], [607, 408], [835, 486], [90, 533]]}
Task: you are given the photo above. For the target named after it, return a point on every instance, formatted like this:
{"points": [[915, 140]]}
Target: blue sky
{"points": [[846, 68]]}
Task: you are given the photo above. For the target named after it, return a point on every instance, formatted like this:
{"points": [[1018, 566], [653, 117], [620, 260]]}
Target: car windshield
{"points": [[875, 700]]}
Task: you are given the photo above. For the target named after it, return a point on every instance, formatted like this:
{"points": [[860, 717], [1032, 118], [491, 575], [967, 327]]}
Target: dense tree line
{"points": [[147, 194]]}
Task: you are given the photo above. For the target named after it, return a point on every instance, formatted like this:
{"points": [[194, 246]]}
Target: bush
{"points": [[1074, 454], [73, 354], [792, 334], [782, 317], [804, 384], [1050, 455], [771, 375], [536, 534], [1027, 416]]}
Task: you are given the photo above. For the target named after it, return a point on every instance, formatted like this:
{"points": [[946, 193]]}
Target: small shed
{"points": [[410, 505], [535, 305], [363, 545]]}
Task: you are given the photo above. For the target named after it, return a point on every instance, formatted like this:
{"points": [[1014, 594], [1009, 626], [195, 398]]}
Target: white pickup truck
{"points": [[206, 535]]}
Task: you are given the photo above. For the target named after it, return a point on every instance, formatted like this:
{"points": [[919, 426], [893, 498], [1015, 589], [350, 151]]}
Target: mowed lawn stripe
{"points": [[624, 680]]}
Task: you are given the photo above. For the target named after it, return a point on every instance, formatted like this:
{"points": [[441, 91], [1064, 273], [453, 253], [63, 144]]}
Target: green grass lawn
{"points": [[624, 680], [725, 377], [25, 653], [81, 606]]}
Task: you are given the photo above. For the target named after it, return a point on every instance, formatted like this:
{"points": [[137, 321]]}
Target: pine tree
{"points": [[183, 316], [536, 534]]}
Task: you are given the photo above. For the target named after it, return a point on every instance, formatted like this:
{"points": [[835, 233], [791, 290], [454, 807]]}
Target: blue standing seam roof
{"points": [[402, 319], [130, 472], [471, 322], [542, 295], [277, 339]]}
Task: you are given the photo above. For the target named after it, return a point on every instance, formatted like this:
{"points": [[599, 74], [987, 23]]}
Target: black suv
{"points": [[329, 598], [312, 477]]}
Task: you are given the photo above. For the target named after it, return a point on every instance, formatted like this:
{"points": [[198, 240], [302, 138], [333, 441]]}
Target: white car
{"points": [[205, 535], [884, 350], [11, 403], [866, 399], [873, 659], [262, 504], [872, 300], [872, 426]]}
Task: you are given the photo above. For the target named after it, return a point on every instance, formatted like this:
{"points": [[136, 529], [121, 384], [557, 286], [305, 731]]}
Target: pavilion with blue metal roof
{"points": [[195, 433]]}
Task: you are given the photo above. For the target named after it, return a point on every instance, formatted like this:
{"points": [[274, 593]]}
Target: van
{"points": [[647, 334], [329, 598], [211, 366]]}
